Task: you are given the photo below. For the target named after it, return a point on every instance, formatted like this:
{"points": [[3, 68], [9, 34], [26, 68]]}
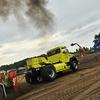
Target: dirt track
{"points": [[81, 85]]}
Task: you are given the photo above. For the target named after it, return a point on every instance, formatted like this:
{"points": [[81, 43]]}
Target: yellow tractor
{"points": [[58, 60]]}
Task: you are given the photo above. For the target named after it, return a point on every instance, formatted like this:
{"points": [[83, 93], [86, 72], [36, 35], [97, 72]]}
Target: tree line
{"points": [[88, 50]]}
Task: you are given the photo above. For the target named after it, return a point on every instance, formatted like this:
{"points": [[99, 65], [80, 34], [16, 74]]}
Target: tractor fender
{"points": [[73, 59]]}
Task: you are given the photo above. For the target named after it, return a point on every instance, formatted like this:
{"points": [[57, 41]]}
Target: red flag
{"points": [[15, 84], [1, 77], [13, 75]]}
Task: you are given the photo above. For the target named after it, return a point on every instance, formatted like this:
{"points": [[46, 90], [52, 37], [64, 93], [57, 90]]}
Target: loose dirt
{"points": [[81, 85]]}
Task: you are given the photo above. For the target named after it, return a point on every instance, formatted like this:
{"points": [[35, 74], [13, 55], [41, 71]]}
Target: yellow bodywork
{"points": [[61, 67], [57, 58], [36, 62]]}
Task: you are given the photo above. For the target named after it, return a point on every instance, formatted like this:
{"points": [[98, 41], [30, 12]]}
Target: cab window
{"points": [[53, 52], [64, 50]]}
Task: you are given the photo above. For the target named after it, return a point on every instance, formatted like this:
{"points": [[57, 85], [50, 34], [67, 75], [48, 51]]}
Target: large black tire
{"points": [[30, 79], [74, 65], [1, 93], [48, 73]]}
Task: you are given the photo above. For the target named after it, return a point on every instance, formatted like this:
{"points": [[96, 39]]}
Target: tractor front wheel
{"points": [[74, 66]]}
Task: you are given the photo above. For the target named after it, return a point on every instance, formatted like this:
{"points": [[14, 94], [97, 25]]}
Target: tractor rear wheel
{"points": [[1, 93], [48, 73], [30, 79]]}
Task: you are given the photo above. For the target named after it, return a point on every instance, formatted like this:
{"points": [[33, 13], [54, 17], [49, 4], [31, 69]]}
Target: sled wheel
{"points": [[1, 93]]}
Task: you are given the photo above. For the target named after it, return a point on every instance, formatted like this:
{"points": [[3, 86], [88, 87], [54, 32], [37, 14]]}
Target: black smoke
{"points": [[36, 10]]}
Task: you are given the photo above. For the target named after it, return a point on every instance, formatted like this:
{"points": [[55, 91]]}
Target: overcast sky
{"points": [[74, 21]]}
